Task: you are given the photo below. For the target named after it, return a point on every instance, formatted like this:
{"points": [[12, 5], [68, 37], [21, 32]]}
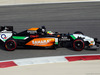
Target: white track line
{"points": [[41, 60], [47, 3], [44, 60]]}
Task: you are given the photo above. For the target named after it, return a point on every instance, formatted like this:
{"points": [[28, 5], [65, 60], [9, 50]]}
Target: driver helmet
{"points": [[50, 32], [43, 29]]}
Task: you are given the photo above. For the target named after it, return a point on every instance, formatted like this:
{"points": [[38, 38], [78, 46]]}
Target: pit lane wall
{"points": [[19, 2]]}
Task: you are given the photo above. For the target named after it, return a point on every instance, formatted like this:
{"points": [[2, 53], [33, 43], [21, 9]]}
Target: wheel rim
{"points": [[78, 45], [10, 45]]}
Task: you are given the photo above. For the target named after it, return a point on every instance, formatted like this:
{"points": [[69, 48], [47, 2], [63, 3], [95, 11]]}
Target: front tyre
{"points": [[78, 45], [10, 45], [78, 32]]}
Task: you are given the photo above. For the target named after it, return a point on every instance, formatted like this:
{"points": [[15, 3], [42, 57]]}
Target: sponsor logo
{"points": [[3, 36], [40, 42]]}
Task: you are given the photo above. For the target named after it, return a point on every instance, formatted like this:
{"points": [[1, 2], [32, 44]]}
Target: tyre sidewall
{"points": [[15, 44], [74, 47]]}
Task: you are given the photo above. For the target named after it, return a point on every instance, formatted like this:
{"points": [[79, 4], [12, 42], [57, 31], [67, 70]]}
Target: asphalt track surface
{"points": [[63, 18]]}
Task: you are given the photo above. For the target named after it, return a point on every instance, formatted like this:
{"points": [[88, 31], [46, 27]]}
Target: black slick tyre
{"points": [[78, 32], [78, 45], [10, 45]]}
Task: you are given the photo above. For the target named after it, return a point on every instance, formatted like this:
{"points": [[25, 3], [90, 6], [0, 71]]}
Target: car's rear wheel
{"points": [[78, 45], [10, 45]]}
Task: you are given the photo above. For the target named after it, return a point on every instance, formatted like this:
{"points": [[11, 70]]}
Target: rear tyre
{"points": [[78, 45], [10, 45]]}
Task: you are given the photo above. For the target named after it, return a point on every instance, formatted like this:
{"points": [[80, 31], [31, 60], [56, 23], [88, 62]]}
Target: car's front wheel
{"points": [[10, 45], [78, 45], [78, 32]]}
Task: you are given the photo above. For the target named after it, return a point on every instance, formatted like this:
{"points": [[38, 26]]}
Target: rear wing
{"points": [[6, 28], [6, 32]]}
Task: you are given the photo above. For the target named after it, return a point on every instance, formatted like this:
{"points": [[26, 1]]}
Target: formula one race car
{"points": [[39, 37]]}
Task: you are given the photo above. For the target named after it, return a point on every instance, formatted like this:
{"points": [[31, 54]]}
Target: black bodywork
{"points": [[64, 40]]}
